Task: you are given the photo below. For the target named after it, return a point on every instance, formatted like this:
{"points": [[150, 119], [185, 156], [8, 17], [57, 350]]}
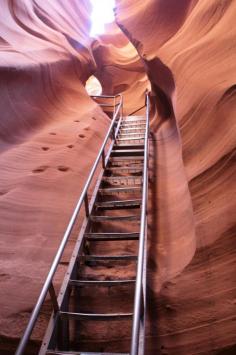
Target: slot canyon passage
{"points": [[50, 133]]}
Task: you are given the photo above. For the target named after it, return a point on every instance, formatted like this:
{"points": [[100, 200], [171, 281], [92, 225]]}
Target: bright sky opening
{"points": [[102, 13]]}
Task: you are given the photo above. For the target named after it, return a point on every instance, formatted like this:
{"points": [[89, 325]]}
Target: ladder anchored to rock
{"points": [[101, 306]]}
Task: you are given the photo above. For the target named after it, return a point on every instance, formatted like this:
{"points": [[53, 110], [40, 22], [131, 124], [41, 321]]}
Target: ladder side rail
{"points": [[106, 96], [48, 282], [139, 305], [48, 339]]}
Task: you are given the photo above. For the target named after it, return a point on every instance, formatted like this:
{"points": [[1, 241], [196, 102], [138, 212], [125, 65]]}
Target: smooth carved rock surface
{"points": [[187, 50], [47, 127], [120, 69]]}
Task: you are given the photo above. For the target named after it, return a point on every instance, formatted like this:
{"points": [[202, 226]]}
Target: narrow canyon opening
{"points": [[54, 56]]}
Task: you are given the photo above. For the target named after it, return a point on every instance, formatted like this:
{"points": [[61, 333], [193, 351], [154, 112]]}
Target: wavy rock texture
{"points": [[119, 68], [48, 122], [189, 49]]}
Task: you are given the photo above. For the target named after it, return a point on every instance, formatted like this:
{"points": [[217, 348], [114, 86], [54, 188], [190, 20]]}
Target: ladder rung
{"points": [[128, 152], [126, 158], [118, 204], [96, 316], [130, 139], [133, 135], [116, 178], [111, 236], [138, 119], [131, 131], [101, 283], [109, 257], [132, 124], [114, 218], [120, 189], [131, 146], [133, 127], [134, 169], [134, 118], [63, 352]]}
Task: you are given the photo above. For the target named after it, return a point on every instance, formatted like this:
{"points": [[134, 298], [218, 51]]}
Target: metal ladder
{"points": [[108, 264]]}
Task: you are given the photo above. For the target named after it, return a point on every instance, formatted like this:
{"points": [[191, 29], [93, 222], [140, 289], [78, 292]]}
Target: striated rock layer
{"points": [[120, 69], [189, 50], [47, 124]]}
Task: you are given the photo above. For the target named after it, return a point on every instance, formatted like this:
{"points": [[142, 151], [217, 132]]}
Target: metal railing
{"points": [[48, 284], [113, 105], [138, 329]]}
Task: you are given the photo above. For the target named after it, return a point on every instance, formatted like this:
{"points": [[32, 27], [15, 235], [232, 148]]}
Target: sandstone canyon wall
{"points": [[47, 124], [187, 49], [120, 69]]}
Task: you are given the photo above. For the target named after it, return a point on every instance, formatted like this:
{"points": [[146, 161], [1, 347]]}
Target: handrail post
{"points": [[53, 298], [103, 160], [86, 204], [141, 253]]}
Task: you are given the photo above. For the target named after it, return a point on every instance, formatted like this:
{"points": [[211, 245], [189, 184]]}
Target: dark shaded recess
{"points": [[227, 351], [63, 168], [163, 104], [163, 86], [40, 169], [231, 91], [9, 346]]}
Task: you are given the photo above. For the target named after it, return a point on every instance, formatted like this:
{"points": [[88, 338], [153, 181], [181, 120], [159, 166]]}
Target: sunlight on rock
{"points": [[102, 14], [93, 86]]}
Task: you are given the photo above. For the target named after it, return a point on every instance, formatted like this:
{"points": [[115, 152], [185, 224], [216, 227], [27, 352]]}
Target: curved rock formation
{"points": [[120, 69], [48, 122], [189, 51]]}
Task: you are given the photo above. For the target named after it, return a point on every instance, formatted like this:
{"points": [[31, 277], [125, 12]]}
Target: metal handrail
{"points": [[48, 285], [106, 96], [139, 306]]}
